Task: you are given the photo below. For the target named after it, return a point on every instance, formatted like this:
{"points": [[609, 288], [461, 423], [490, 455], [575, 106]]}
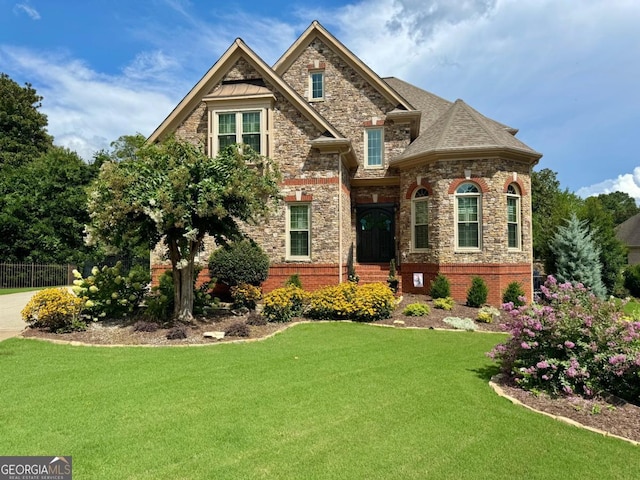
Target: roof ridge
{"points": [[447, 123], [480, 119], [236, 50]]}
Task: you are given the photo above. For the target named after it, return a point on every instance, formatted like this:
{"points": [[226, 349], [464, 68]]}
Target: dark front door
{"points": [[375, 234]]}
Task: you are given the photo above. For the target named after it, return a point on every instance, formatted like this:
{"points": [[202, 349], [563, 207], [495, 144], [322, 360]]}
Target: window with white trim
{"points": [[420, 219], [316, 85], [513, 217], [468, 216], [373, 147], [238, 127], [298, 231]]}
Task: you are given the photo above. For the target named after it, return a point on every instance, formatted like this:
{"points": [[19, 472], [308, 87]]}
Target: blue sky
{"points": [[566, 73]]}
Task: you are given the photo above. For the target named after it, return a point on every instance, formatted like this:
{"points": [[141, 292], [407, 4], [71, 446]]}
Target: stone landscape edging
{"points": [[498, 389]]}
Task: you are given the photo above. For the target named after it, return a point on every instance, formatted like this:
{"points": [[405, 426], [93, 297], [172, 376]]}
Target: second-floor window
{"points": [[373, 147], [239, 127]]}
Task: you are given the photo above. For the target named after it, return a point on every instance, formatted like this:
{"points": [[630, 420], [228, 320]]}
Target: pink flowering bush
{"points": [[571, 342]]}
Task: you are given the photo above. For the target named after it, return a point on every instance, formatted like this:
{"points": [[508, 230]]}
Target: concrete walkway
{"points": [[11, 323]]}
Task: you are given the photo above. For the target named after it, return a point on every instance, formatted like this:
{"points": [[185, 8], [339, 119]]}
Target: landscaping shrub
{"points": [[572, 343], [176, 333], [108, 294], [293, 281], [56, 309], [477, 293], [487, 314], [246, 295], [440, 287], [144, 326], [416, 310], [393, 280], [239, 262], [255, 319], [514, 294], [348, 301], [460, 323], [445, 303], [283, 304], [632, 280], [373, 301], [238, 329], [335, 302]]}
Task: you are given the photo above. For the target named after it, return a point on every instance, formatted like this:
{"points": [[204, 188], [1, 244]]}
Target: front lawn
{"points": [[330, 400]]}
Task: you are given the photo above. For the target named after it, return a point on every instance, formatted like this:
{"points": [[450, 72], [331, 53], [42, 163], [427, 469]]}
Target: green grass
{"points": [[632, 308], [330, 400], [8, 291]]}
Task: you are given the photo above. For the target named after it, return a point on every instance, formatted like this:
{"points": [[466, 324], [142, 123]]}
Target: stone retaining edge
{"points": [[496, 388]]}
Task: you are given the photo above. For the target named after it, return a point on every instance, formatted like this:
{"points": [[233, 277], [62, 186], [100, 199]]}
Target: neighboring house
{"points": [[373, 169], [628, 232]]}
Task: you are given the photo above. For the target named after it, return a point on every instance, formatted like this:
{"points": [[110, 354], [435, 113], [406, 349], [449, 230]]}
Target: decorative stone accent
{"points": [[216, 335]]}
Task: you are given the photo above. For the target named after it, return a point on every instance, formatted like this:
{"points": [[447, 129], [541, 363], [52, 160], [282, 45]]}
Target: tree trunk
{"points": [[183, 279], [183, 293]]}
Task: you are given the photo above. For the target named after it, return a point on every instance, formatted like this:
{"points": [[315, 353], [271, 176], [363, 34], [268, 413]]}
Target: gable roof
{"points": [[461, 131], [628, 232], [215, 74], [315, 30]]}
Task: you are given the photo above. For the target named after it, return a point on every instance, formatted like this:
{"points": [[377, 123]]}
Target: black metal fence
{"points": [[33, 275]]}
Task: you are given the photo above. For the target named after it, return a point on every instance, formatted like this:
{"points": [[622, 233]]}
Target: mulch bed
{"points": [[608, 414]]}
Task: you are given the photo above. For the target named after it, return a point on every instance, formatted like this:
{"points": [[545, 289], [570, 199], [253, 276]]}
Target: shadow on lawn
{"points": [[485, 373]]}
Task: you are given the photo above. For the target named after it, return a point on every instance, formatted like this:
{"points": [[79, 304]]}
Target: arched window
{"points": [[468, 216], [420, 219], [513, 216]]}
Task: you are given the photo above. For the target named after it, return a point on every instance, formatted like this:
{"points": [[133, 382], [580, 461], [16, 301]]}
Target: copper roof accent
{"points": [[237, 90]]}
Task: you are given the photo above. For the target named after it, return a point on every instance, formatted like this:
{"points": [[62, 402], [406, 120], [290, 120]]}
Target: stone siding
{"points": [[349, 103]]}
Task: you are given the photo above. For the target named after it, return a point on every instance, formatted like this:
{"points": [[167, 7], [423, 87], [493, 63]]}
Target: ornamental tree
{"points": [[172, 192], [577, 258]]}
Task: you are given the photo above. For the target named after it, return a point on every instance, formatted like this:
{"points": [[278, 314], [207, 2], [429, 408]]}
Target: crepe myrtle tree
{"points": [[172, 192]]}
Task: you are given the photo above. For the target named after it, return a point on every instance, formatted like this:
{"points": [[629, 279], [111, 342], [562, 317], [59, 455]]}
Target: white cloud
{"points": [[627, 183], [28, 9], [87, 110]]}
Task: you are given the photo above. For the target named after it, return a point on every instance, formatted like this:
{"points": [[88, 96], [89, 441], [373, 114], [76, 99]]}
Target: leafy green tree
{"points": [[621, 206], [43, 209], [577, 258], [23, 128], [613, 253], [174, 193]]}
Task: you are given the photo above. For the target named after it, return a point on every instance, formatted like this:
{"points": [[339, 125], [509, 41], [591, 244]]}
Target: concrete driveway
{"points": [[11, 323]]}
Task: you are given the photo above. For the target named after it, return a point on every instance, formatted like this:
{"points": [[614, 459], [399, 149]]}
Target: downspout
{"points": [[340, 217]]}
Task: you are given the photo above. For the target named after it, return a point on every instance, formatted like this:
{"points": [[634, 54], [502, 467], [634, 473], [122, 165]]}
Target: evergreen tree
{"points": [[613, 253], [577, 258]]}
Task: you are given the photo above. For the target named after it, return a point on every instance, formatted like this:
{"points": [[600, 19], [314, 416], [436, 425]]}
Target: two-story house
{"points": [[373, 169]]}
